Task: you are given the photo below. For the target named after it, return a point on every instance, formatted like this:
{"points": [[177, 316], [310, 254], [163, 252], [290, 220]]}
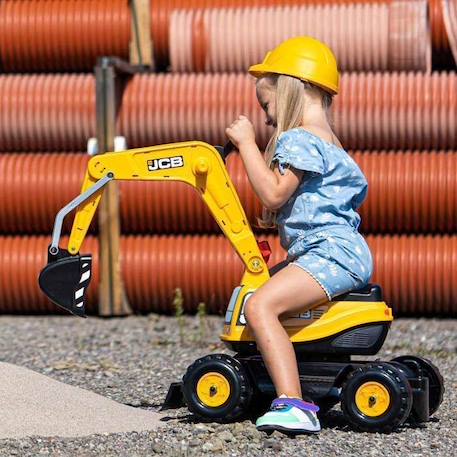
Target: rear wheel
{"points": [[376, 398], [436, 382], [216, 387]]}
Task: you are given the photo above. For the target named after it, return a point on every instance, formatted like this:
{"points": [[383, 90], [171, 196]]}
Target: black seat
{"points": [[371, 292]]}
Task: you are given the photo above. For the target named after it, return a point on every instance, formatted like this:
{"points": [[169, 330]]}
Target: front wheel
{"points": [[376, 398], [216, 387]]}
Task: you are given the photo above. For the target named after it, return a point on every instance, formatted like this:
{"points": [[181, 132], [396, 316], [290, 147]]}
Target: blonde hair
{"points": [[290, 107]]}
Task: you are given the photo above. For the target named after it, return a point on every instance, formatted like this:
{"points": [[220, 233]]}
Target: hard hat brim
{"points": [[261, 69]]}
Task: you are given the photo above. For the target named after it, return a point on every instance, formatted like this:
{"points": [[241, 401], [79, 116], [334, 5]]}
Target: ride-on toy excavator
{"points": [[375, 396]]}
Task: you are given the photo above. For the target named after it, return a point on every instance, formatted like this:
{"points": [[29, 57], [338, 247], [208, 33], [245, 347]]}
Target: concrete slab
{"points": [[32, 404]]}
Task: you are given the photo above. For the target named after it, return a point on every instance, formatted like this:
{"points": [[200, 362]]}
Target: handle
{"points": [[225, 150]]}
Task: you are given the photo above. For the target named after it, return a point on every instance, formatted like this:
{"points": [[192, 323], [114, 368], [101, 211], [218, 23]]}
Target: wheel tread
{"points": [[245, 390], [406, 397]]}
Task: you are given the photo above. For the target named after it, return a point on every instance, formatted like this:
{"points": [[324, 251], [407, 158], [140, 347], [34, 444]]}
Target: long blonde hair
{"points": [[290, 107]]}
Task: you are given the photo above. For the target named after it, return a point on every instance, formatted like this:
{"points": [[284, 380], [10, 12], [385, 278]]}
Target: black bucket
{"points": [[65, 279]]}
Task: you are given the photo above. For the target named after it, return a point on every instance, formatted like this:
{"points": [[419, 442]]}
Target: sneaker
{"points": [[290, 415]]}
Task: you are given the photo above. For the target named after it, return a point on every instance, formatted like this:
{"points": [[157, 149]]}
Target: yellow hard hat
{"points": [[305, 58]]}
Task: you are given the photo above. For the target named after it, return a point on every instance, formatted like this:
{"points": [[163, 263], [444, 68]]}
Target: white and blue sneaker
{"points": [[290, 415]]}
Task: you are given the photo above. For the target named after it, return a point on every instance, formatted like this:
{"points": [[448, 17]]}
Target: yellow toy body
{"points": [[374, 396]]}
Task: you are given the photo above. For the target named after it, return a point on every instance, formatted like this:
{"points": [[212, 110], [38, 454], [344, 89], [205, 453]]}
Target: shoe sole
{"points": [[287, 431]]}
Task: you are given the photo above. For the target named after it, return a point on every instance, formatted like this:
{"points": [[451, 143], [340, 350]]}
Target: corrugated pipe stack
{"points": [[206, 269], [68, 35], [398, 110], [400, 127], [30, 199]]}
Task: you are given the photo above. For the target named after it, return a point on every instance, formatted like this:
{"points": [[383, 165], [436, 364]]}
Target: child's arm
{"points": [[272, 188]]}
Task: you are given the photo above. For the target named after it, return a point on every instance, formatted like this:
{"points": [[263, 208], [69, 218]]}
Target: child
{"points": [[311, 188]]}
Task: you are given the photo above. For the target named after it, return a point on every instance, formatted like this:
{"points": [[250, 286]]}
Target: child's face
{"points": [[266, 96]]}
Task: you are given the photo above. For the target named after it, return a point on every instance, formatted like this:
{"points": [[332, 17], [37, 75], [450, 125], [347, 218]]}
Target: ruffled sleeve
{"points": [[360, 197], [298, 150]]}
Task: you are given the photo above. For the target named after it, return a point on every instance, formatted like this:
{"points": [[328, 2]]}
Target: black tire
{"points": [[436, 381], [229, 369], [399, 402]]}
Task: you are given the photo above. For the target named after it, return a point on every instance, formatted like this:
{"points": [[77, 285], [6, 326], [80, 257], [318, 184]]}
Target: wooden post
{"points": [[141, 50], [112, 298]]}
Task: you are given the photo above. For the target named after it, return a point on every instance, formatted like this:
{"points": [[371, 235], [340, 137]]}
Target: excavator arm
{"points": [[66, 277]]}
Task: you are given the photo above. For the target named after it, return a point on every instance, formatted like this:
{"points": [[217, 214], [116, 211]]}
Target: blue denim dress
{"points": [[318, 225]]}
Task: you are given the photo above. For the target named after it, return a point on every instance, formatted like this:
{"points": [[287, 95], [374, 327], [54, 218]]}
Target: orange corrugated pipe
{"points": [[49, 35], [161, 11], [372, 110], [417, 273], [362, 36], [77, 32], [35, 186], [46, 112], [409, 192], [397, 110]]}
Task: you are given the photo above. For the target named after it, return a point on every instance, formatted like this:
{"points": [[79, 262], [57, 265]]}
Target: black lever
{"points": [[225, 150]]}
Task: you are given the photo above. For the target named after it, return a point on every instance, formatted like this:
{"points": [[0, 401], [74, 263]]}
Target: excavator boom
{"points": [[66, 277]]}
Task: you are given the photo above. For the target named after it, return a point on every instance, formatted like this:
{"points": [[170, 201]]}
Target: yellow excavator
{"points": [[375, 396]]}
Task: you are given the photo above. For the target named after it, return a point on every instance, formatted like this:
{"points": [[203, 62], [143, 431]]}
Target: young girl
{"points": [[310, 187]]}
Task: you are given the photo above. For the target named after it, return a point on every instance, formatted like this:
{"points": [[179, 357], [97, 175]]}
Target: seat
{"points": [[370, 292]]}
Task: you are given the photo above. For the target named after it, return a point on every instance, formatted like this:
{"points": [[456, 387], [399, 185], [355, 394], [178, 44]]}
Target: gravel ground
{"points": [[133, 360]]}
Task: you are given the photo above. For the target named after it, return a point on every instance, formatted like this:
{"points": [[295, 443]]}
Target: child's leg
{"points": [[290, 290]]}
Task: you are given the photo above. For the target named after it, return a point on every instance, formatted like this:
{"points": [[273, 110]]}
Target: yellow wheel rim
{"points": [[372, 399], [213, 389]]}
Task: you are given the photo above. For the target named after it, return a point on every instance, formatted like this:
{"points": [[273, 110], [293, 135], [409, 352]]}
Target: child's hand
{"points": [[241, 132]]}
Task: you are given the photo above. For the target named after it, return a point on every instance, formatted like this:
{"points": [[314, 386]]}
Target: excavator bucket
{"points": [[65, 279]]}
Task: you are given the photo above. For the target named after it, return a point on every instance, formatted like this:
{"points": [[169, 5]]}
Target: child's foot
{"points": [[290, 415]]}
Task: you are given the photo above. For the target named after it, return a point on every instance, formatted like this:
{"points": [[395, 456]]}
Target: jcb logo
{"points": [[165, 162]]}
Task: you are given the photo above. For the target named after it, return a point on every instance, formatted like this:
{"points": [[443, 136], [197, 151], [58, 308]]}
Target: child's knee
{"points": [[256, 309]]}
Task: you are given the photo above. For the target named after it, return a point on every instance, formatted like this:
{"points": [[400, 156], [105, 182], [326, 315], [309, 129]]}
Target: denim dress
{"points": [[318, 225]]}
